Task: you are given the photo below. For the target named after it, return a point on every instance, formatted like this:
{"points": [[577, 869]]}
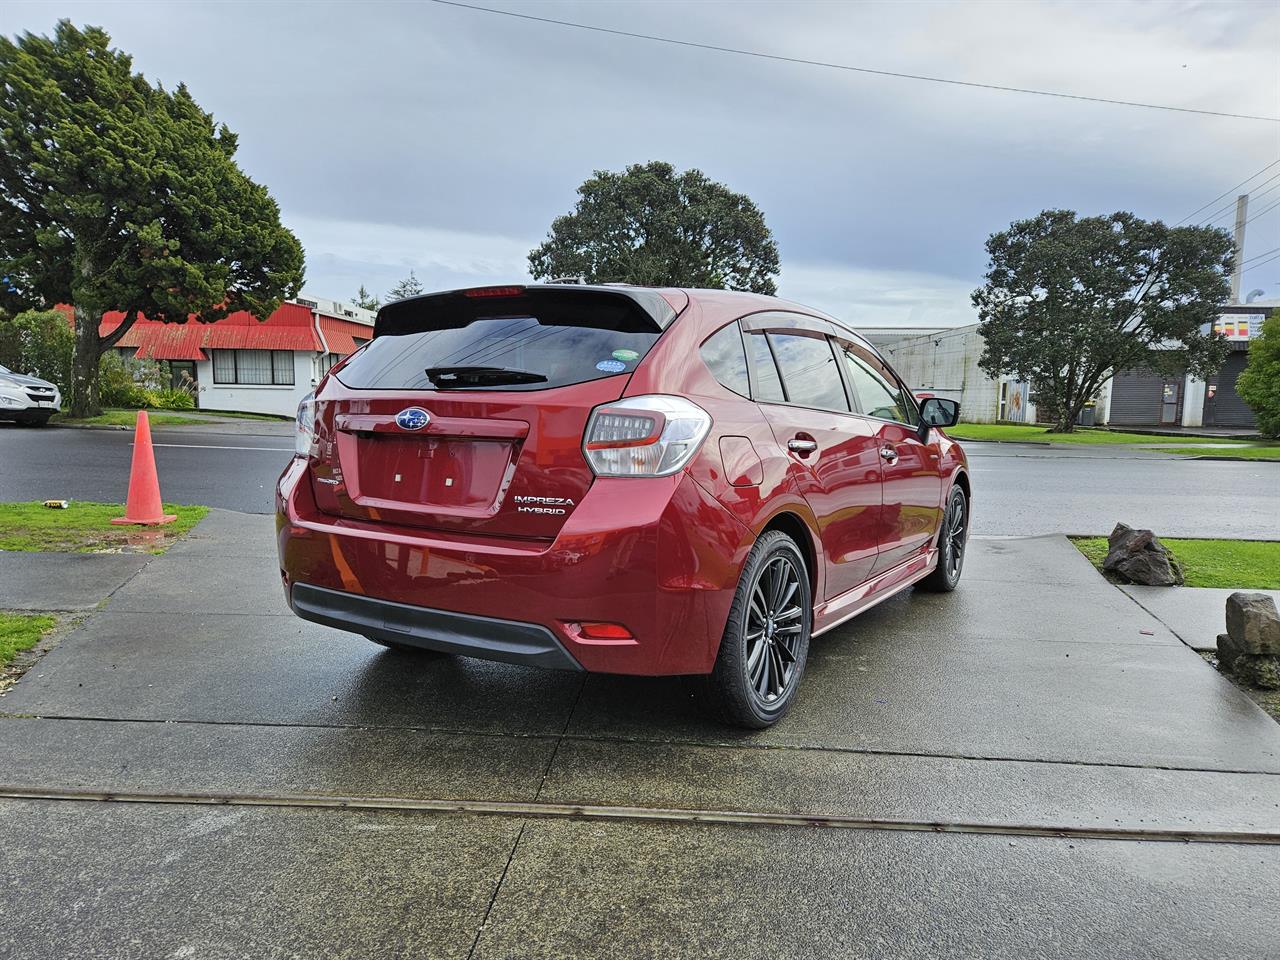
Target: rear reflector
{"points": [[494, 292], [594, 630]]}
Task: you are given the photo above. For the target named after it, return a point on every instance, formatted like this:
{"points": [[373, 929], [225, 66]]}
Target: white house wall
{"points": [[257, 398]]}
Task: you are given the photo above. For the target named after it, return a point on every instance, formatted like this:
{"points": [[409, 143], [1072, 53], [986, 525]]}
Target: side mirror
{"points": [[938, 412]]}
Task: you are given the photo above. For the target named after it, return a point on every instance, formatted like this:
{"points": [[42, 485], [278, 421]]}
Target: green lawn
{"points": [[1234, 564], [122, 417], [20, 631], [1033, 433], [127, 418], [86, 528]]}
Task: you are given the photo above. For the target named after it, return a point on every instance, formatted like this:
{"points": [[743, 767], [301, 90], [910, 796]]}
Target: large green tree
{"points": [[116, 194], [1259, 384], [1069, 301], [649, 225]]}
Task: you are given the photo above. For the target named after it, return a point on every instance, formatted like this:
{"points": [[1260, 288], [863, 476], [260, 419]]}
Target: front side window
{"points": [[724, 356], [878, 391], [809, 371], [253, 367]]}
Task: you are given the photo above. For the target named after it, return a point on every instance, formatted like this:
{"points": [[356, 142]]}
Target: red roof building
{"points": [[245, 364]]}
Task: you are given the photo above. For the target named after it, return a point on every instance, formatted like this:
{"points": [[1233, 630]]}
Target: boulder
{"points": [[1138, 556], [1253, 623], [1228, 651], [1261, 672]]}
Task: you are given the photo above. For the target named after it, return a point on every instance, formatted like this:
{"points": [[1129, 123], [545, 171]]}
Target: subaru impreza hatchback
{"points": [[618, 479]]}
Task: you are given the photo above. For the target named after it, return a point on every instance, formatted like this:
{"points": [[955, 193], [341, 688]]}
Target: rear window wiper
{"points": [[445, 377]]}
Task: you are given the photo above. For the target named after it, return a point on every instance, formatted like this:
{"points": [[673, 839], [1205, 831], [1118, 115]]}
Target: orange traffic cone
{"points": [[144, 506]]}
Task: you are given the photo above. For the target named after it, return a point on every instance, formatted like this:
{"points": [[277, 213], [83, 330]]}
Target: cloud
{"points": [[410, 134]]}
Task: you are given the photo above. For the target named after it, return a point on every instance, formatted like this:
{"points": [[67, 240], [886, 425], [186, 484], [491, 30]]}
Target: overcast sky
{"points": [[415, 135]]}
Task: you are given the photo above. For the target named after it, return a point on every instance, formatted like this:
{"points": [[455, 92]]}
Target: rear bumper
{"points": [[660, 556], [489, 638]]}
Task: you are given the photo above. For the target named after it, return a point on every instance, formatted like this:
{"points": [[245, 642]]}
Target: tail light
{"points": [[651, 436], [306, 426]]}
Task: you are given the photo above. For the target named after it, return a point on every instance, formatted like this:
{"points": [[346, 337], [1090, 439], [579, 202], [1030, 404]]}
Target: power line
{"points": [[1231, 207], [1227, 193], [1262, 263], [1260, 256], [842, 66], [1264, 210]]}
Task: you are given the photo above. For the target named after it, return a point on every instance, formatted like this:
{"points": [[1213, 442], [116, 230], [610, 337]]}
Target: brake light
{"points": [[493, 292], [652, 436], [306, 426]]}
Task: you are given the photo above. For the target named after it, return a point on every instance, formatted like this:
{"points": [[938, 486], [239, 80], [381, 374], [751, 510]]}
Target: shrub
{"points": [[129, 382], [175, 398], [39, 343], [1259, 385]]}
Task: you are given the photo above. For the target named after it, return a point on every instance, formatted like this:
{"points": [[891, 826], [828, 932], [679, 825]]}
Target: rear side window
{"points": [[878, 391], [809, 370], [768, 384], [724, 355], [515, 350]]}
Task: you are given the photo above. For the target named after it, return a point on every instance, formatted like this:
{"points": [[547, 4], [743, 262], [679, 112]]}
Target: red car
{"points": [[618, 479]]}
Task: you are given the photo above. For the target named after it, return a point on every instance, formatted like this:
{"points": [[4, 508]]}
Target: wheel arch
{"points": [[794, 526]]}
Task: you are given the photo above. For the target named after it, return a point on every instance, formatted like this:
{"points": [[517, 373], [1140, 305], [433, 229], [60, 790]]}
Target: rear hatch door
{"points": [[465, 413]]}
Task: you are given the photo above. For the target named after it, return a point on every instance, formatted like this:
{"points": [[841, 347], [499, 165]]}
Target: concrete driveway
{"points": [[1032, 766]]}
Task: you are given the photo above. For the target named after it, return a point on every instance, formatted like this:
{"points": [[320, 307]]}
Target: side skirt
{"points": [[833, 612]]}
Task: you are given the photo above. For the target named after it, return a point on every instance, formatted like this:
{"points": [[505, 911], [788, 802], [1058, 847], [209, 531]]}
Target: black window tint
{"points": [[877, 389], [562, 352], [809, 370], [768, 385], [724, 355]]}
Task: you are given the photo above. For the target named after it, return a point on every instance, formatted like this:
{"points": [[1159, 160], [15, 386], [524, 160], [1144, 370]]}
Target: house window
{"points": [[253, 367]]}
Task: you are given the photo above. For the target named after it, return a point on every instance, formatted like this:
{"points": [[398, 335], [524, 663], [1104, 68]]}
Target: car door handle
{"points": [[888, 454], [802, 446]]}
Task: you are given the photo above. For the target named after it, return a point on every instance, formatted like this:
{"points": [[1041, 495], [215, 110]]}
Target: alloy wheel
{"points": [[773, 629], [956, 534]]}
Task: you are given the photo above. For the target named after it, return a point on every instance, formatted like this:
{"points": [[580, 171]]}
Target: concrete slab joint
{"points": [[1250, 649]]}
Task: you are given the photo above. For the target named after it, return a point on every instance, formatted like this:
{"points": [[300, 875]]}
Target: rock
{"points": [[1261, 672], [1138, 556], [1228, 651], [1253, 623]]}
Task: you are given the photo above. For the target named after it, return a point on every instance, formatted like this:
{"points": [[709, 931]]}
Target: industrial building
{"points": [[944, 362]]}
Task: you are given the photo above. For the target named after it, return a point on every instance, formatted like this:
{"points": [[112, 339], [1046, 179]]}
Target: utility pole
{"points": [[1242, 210]]}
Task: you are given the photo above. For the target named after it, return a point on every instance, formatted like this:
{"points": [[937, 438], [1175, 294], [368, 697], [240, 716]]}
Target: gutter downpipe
{"points": [[315, 317]]}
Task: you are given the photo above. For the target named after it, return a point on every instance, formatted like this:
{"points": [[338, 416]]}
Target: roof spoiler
{"points": [[637, 309]]}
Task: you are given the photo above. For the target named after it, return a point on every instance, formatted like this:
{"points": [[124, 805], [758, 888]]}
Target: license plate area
{"points": [[426, 473]]}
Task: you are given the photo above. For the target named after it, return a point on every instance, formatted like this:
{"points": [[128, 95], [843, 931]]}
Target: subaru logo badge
{"points": [[412, 418]]}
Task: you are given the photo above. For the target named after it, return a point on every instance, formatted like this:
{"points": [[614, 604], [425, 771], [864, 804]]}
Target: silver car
{"points": [[27, 399]]}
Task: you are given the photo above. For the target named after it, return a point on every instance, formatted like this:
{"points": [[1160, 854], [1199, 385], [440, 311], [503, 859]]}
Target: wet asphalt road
{"points": [[1021, 490]]}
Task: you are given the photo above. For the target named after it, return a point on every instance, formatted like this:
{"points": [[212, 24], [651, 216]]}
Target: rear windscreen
{"points": [[537, 352]]}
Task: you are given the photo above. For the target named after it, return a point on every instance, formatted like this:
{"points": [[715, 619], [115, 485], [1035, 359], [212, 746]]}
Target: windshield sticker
{"points": [[611, 366], [625, 355]]}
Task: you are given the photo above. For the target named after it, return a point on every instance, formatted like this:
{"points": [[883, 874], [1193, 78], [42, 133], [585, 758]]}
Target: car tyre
{"points": [[953, 539], [766, 640]]}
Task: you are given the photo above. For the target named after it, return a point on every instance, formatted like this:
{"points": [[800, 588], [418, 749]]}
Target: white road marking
{"points": [[218, 446]]}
